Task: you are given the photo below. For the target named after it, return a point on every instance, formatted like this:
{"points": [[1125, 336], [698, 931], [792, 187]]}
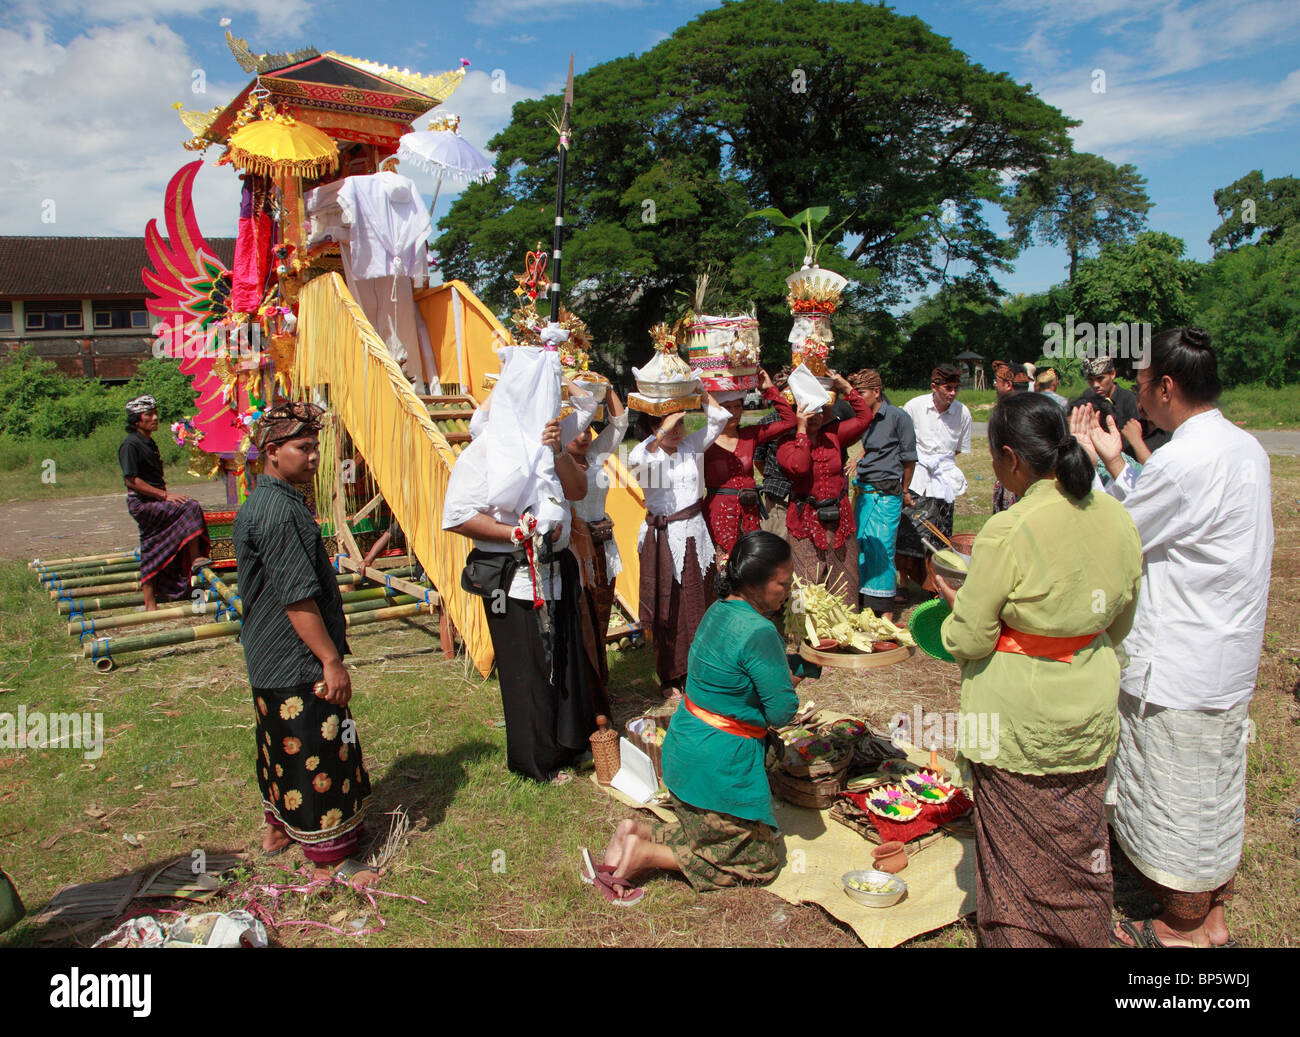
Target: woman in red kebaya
{"points": [[820, 520], [731, 503]]}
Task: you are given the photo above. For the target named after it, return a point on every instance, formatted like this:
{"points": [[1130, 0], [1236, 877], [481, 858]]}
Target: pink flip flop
{"points": [[618, 891]]}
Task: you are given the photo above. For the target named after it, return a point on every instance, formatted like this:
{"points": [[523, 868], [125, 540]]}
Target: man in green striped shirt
{"points": [[313, 783]]}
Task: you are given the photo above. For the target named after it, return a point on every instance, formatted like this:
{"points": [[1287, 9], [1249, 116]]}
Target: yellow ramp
{"points": [[408, 457]]}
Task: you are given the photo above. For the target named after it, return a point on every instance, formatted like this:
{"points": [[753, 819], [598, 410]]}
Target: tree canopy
{"points": [[1079, 201], [1250, 205], [755, 104]]}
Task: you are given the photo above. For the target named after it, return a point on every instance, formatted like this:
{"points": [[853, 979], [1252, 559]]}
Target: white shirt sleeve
{"points": [[698, 442], [466, 492], [1156, 503], [610, 437], [963, 447]]}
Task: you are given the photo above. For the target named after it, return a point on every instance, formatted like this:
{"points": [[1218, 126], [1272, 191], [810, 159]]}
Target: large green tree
{"points": [[1147, 281], [756, 104], [1249, 301], [1080, 201], [1253, 205]]}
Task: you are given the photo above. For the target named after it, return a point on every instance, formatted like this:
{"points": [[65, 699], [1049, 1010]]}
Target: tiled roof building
{"points": [[80, 302]]}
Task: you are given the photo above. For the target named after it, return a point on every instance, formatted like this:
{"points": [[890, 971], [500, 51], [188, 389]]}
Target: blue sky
{"points": [[1197, 92]]}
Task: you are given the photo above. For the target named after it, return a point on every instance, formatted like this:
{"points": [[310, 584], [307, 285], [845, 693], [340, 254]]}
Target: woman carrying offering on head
{"points": [[173, 532], [738, 686], [677, 558], [823, 534], [731, 504], [1052, 588]]}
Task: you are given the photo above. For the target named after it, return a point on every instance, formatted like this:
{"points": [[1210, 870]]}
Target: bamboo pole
{"points": [[99, 588], [69, 577], [100, 604], [121, 555], [103, 651], [390, 579]]}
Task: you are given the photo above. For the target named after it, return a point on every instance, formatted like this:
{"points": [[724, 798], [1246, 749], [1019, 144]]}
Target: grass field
{"points": [[493, 857]]}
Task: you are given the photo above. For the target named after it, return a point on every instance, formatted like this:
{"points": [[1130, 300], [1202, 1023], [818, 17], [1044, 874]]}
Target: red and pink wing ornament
{"points": [[190, 300]]}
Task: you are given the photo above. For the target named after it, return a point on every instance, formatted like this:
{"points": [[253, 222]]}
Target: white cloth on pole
{"points": [[388, 226]]}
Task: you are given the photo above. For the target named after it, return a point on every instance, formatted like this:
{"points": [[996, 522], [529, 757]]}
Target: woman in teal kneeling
{"points": [[738, 685]]}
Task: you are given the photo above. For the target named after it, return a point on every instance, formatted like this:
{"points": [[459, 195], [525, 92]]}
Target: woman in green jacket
{"points": [[738, 685], [1052, 588]]}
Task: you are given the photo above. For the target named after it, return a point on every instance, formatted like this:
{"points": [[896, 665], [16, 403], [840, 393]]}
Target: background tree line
{"points": [[761, 103]]}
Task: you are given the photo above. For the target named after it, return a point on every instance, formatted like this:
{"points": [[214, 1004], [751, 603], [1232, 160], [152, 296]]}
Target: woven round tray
{"points": [[855, 660], [924, 625]]}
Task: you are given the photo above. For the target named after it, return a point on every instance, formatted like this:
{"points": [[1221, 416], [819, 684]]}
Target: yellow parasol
{"points": [[278, 145]]}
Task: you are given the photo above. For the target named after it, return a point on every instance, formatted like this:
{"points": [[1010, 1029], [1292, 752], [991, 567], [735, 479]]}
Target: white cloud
{"points": [[281, 18], [523, 39], [99, 136], [496, 12], [1125, 123]]}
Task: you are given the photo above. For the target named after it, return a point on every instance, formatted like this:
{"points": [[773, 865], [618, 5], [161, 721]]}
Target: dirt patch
{"points": [[71, 526]]}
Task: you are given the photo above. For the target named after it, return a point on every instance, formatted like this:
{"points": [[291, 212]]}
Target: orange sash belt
{"points": [[1042, 646], [728, 724]]}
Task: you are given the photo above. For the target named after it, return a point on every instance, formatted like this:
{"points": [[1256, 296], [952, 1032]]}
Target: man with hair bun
{"points": [[1203, 506]]}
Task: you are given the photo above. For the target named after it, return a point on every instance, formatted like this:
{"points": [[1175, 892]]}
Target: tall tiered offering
{"points": [[666, 383], [814, 295]]}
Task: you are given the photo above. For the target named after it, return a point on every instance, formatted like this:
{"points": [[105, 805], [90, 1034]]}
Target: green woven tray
{"points": [[926, 620]]}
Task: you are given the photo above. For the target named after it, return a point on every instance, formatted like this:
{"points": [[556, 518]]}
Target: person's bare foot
{"points": [[364, 877], [1216, 926], [274, 839], [614, 849], [641, 855]]}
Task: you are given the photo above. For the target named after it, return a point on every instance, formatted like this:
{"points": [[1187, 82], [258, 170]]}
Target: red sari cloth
{"points": [[816, 471], [726, 469]]}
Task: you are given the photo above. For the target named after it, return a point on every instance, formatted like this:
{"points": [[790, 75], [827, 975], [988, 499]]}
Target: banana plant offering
{"points": [[817, 614]]}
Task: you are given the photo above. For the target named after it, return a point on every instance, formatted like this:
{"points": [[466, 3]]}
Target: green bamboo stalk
{"points": [[100, 589], [104, 651], [101, 604], [69, 577], [122, 554]]}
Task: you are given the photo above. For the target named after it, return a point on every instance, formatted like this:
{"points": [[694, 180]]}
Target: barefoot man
{"points": [[314, 785]]}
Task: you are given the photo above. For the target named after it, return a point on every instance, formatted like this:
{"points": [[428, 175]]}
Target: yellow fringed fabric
{"points": [[409, 459]]}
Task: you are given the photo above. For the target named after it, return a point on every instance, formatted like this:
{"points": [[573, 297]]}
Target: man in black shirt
{"points": [[1109, 398], [173, 532], [314, 785]]}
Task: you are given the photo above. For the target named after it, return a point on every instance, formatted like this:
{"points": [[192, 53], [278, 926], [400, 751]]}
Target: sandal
{"points": [[350, 869], [1144, 935], [618, 891]]}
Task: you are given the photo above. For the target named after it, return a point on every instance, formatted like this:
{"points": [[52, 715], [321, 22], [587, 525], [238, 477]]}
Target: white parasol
{"points": [[442, 152]]}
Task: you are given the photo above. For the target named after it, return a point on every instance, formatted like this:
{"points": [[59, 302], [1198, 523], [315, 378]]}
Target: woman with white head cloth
{"points": [[732, 506], [508, 491]]}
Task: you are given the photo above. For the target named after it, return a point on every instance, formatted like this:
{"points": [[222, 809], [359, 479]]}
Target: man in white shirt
{"points": [[1203, 507], [943, 429]]}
